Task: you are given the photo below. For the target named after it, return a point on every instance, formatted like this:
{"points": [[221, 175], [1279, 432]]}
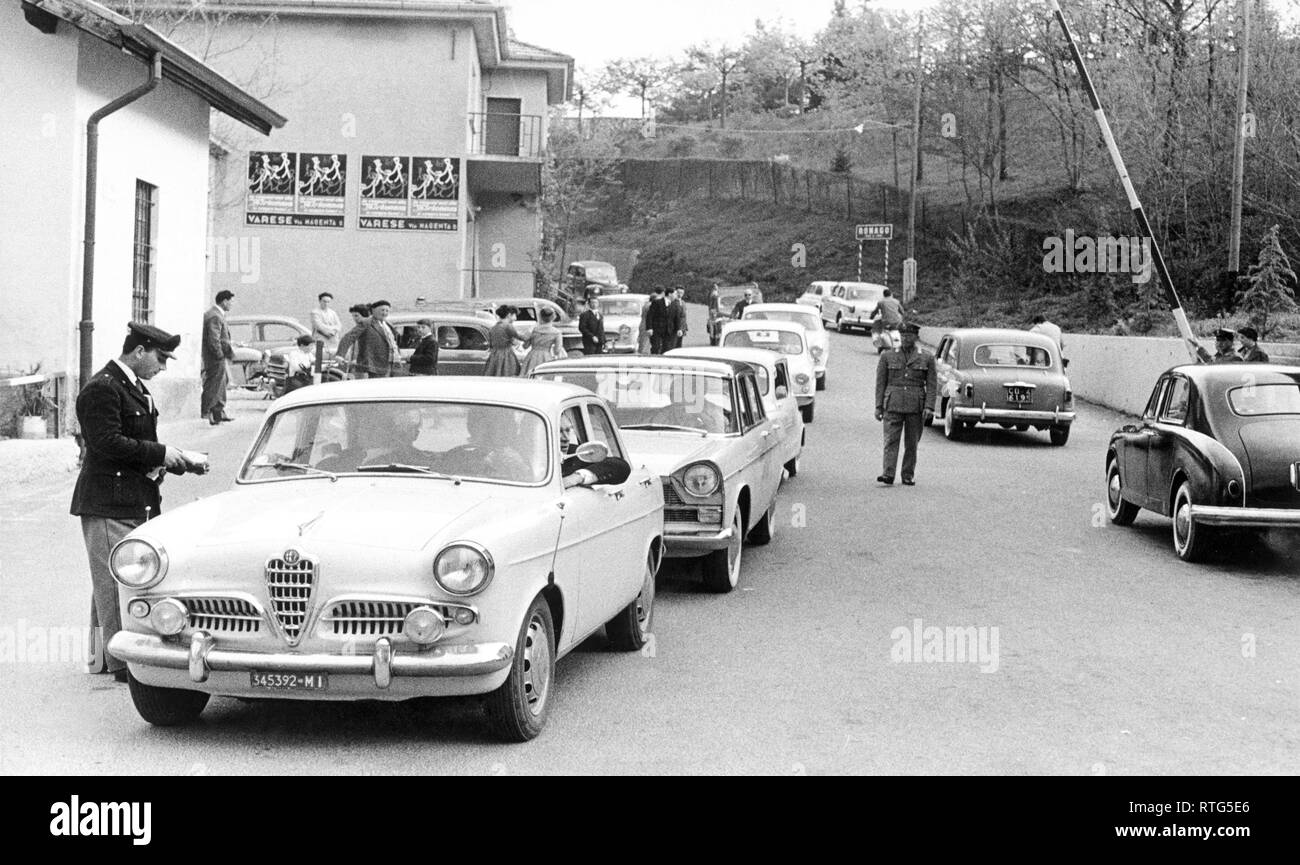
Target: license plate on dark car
{"points": [[1019, 394], [290, 681]]}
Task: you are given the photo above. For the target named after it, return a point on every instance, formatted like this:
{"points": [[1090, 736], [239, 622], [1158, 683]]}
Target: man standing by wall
{"points": [[1223, 348], [215, 352], [1250, 350], [906, 384], [325, 324], [118, 487]]}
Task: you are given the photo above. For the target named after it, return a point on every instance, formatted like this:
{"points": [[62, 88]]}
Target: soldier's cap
{"points": [[1249, 333], [914, 329], [156, 338], [1223, 334]]}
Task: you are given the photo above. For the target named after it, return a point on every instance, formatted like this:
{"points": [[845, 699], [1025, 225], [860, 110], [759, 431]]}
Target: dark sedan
{"points": [[1217, 448]]}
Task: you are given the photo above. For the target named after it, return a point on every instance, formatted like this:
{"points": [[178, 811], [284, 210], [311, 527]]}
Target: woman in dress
{"points": [[544, 343], [501, 339]]}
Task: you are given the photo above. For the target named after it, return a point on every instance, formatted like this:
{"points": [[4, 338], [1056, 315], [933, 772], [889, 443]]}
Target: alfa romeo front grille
{"points": [[289, 587], [223, 615], [364, 618]]}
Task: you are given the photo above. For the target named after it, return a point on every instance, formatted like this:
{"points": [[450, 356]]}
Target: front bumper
{"points": [[804, 399], [984, 414], [697, 543], [1254, 518], [201, 656]]}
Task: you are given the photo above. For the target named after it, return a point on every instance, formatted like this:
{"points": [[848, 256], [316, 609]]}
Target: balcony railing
{"points": [[497, 134]]}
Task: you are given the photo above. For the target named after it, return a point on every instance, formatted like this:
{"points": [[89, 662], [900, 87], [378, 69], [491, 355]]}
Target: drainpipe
{"points": [[87, 326]]}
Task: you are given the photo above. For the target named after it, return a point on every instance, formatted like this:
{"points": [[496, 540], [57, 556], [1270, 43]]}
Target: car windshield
{"points": [[611, 306], [784, 341], [807, 320], [1265, 399], [1013, 355], [601, 273], [729, 299], [660, 399], [862, 294], [472, 441]]}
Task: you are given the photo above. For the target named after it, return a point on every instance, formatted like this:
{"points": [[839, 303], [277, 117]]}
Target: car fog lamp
{"points": [[169, 617], [139, 608], [801, 378], [464, 616], [711, 515], [462, 569], [817, 352], [424, 626], [137, 564], [701, 480]]}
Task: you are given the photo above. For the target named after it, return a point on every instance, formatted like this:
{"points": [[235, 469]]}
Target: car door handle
{"points": [[647, 482], [614, 494]]}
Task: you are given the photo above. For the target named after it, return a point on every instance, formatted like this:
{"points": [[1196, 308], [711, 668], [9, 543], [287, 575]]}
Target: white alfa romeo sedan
{"points": [[398, 538]]}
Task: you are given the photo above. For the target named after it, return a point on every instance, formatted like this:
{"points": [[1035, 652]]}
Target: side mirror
{"points": [[1065, 363], [592, 452]]}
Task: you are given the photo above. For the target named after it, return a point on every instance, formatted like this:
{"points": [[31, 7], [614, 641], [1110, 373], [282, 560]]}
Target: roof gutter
{"points": [[87, 326]]}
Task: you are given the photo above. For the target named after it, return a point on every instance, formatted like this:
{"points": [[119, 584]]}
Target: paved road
{"points": [[1111, 656]]}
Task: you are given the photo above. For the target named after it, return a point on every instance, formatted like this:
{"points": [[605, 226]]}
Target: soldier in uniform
{"points": [[1250, 350], [1223, 350], [906, 384]]}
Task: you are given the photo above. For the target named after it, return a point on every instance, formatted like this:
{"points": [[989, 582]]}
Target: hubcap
{"points": [[733, 551], [1113, 489], [645, 602], [1182, 522], [537, 666]]}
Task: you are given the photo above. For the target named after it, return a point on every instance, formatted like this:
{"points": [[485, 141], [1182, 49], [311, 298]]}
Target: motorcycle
{"points": [[883, 339]]}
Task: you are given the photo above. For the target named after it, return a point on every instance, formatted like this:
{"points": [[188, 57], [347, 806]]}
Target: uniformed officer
{"points": [[123, 465], [1223, 349], [906, 384], [1250, 350]]}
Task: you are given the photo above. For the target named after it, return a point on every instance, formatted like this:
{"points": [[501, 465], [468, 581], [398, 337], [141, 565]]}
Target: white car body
{"points": [[851, 305], [787, 339], [816, 294], [622, 329], [358, 552], [819, 341]]}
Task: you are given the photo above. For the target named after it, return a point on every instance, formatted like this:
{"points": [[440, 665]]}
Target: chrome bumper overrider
{"points": [[201, 656], [984, 413], [1259, 518], [696, 543]]}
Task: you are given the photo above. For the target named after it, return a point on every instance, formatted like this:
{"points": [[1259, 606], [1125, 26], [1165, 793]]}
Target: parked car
{"points": [[392, 539], [462, 339], [851, 305], [816, 293], [1217, 449], [530, 309], [255, 338], [580, 276], [775, 386], [788, 339], [728, 297], [703, 427], [819, 342], [1012, 378], [622, 314]]}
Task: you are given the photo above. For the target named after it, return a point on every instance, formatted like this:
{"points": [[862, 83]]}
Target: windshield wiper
{"points": [[282, 464], [667, 426], [405, 467]]}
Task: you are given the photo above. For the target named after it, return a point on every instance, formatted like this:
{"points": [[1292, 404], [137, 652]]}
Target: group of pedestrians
{"points": [[544, 343], [663, 321], [1226, 351]]}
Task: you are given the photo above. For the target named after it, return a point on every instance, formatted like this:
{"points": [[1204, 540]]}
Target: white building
{"points": [[61, 61]]}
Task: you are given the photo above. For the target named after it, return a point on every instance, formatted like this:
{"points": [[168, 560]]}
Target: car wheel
{"points": [[1121, 511], [1191, 542], [630, 629], [722, 567], [953, 429], [517, 711], [1060, 435], [762, 533], [792, 467], [807, 412], [165, 707]]}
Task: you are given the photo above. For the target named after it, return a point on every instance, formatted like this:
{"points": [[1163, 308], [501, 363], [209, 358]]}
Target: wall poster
{"points": [[298, 189], [411, 193]]}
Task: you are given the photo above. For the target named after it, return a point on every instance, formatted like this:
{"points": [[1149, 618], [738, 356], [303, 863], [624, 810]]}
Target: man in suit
{"points": [[658, 323], [377, 354], [676, 317], [217, 350], [123, 465], [591, 324], [425, 359]]}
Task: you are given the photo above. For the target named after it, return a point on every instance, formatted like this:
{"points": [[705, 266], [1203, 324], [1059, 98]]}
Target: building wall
{"points": [[355, 87], [51, 84], [507, 231], [528, 87]]}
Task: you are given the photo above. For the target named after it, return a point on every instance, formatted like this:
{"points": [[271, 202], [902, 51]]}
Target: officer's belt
{"points": [[907, 385]]}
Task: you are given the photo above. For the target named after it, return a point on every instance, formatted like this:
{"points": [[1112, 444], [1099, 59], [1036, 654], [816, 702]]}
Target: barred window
{"points": [[144, 252]]}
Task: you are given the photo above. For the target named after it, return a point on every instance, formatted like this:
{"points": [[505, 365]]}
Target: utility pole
{"points": [[1239, 150], [909, 267]]}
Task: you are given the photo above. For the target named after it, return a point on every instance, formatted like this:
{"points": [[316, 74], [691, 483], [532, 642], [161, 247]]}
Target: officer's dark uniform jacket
{"points": [[120, 431], [906, 383]]}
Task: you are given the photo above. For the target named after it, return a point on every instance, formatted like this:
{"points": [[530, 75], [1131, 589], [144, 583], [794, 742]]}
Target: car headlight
{"points": [[801, 378], [463, 569], [701, 480], [817, 352], [625, 331], [138, 564]]}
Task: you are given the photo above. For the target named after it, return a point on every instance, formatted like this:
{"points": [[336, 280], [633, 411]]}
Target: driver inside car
{"points": [[384, 435], [579, 473], [492, 449]]}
